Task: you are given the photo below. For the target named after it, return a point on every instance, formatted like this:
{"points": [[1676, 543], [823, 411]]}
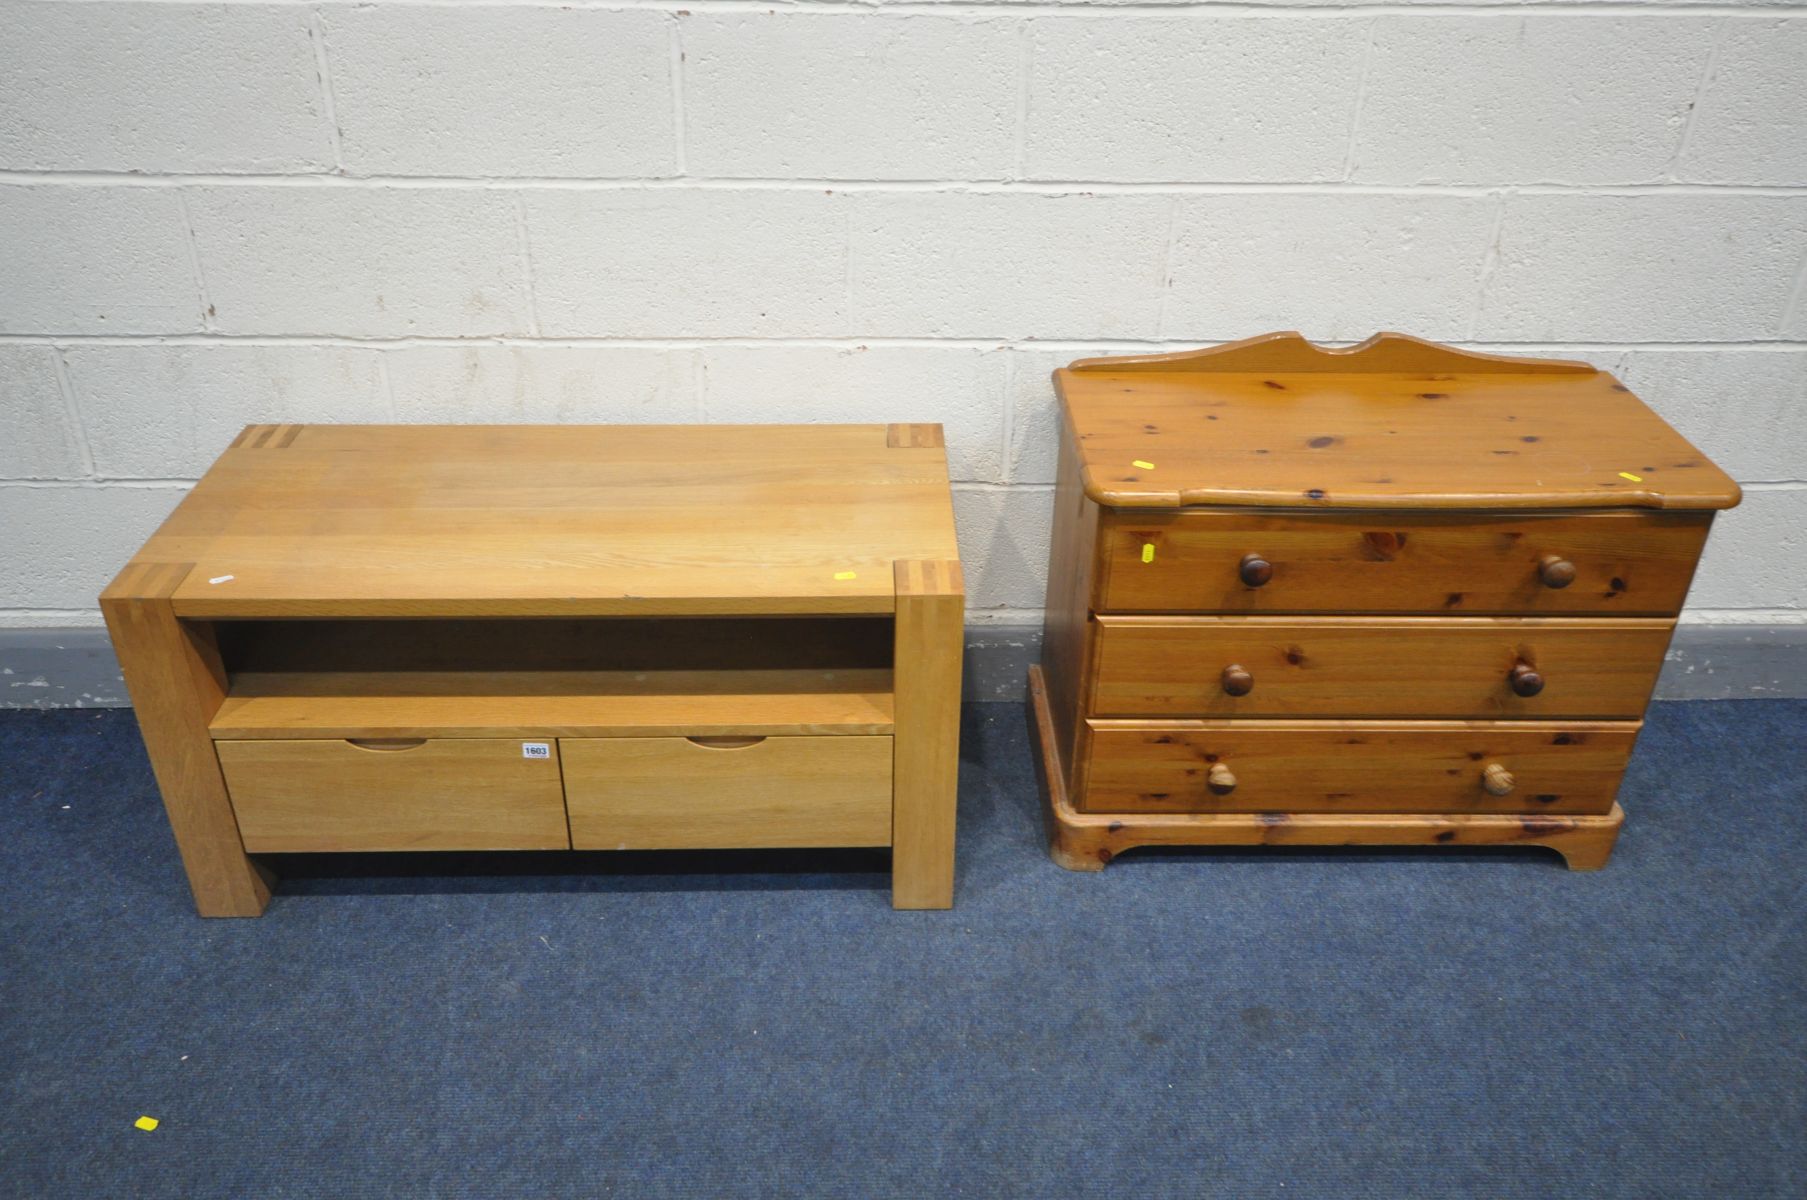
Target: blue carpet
{"points": [[1239, 1024]]}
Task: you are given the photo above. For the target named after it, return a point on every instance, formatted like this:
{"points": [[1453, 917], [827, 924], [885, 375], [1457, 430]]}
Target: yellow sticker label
{"points": [[1146, 466], [1630, 476], [845, 575], [146, 1123], [1147, 551]]}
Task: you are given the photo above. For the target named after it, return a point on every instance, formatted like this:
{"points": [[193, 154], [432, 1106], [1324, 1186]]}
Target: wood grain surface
{"points": [[1377, 666], [930, 636], [1624, 563], [177, 682], [1288, 352], [1356, 766], [343, 636], [671, 793], [333, 795], [463, 521], [1393, 593], [1074, 570], [1084, 841], [1394, 423]]}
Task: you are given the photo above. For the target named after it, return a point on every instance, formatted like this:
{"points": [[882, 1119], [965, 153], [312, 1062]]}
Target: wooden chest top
{"points": [[1395, 422], [412, 520]]}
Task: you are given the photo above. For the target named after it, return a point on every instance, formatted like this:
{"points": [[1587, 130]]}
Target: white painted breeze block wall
{"points": [[635, 210]]}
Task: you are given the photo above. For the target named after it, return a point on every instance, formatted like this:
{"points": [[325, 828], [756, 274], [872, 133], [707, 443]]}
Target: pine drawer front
{"points": [[1358, 767], [1601, 564], [300, 795], [727, 793], [1383, 667]]}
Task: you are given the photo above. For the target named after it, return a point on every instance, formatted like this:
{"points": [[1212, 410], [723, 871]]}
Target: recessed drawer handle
{"points": [[1237, 681], [1555, 571], [386, 744], [1525, 679], [724, 743], [1220, 779], [1498, 780], [1254, 570]]}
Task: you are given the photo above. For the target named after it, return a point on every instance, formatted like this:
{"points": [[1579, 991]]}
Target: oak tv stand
{"points": [[594, 637]]}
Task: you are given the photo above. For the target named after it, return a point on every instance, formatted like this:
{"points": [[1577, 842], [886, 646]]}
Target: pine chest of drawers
{"points": [[1394, 594]]}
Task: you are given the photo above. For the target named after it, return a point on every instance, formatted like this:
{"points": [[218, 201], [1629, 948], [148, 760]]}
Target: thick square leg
{"points": [[931, 616], [176, 683]]}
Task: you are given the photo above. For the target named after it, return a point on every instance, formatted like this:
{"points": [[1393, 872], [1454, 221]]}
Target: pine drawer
{"points": [[1601, 564], [1356, 767], [1407, 667]]}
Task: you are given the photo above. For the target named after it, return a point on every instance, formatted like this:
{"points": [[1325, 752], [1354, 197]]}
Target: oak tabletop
{"points": [[498, 520], [1393, 423]]}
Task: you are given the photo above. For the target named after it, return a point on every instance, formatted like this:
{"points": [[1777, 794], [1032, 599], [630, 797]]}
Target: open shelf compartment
{"points": [[701, 677]]}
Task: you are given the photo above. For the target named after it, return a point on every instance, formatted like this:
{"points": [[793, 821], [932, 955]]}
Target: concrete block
{"points": [[160, 88], [505, 90], [1644, 268], [85, 259], [1336, 267], [1751, 123], [361, 262], [849, 96], [37, 439], [1004, 547], [166, 412], [1215, 99], [1528, 99], [1035, 415], [705, 262], [552, 385], [999, 265]]}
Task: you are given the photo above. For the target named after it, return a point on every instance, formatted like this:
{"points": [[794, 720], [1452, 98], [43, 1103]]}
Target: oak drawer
{"points": [[1609, 564], [723, 793], [408, 794], [1357, 767], [1375, 667]]}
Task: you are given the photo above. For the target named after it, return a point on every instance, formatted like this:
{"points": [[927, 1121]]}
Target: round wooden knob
{"points": [[1237, 681], [1497, 780], [1555, 571], [1220, 779], [1254, 570], [1525, 680]]}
